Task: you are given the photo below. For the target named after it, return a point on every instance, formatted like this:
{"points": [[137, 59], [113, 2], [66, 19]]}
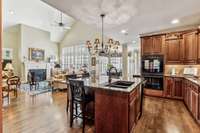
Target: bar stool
{"points": [[71, 76], [78, 97]]}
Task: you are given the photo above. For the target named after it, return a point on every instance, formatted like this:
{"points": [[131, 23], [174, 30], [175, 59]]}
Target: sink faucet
{"points": [[109, 73]]}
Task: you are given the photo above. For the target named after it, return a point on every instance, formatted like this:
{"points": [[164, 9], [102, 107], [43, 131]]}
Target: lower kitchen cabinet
{"points": [[194, 103], [173, 88], [194, 100], [179, 88]]}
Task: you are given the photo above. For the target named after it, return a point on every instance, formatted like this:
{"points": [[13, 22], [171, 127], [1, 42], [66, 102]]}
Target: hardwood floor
{"points": [[46, 113], [166, 116]]}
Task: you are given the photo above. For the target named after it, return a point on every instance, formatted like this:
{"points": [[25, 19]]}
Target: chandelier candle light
{"points": [[107, 49]]}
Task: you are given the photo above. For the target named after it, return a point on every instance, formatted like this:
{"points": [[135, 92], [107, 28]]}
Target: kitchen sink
{"points": [[120, 84]]}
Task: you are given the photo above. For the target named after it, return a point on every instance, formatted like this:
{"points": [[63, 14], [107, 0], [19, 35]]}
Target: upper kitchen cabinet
{"points": [[147, 45], [174, 48], [198, 58], [152, 45], [190, 44]]}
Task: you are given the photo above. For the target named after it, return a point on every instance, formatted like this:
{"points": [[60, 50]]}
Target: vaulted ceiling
{"points": [[134, 16], [34, 13]]}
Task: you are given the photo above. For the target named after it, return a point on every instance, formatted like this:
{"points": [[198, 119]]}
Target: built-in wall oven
{"points": [[152, 71]]}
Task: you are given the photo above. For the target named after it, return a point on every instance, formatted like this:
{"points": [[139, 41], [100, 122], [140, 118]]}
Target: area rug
{"points": [[43, 88]]}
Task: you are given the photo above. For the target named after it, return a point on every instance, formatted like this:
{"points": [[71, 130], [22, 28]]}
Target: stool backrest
{"points": [[77, 89], [85, 75], [71, 76]]}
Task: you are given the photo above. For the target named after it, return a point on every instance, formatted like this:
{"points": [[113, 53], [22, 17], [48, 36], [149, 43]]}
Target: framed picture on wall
{"points": [[7, 54], [36, 54], [93, 62]]}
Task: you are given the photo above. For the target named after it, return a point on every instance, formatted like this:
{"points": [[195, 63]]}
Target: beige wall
{"points": [[11, 39], [79, 34], [26, 37], [35, 38]]}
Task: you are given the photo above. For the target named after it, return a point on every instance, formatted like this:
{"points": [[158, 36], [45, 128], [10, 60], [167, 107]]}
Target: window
{"points": [[75, 56], [103, 62], [116, 62], [134, 62]]}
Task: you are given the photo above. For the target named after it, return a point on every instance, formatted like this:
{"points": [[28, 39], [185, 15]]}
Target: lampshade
{"points": [[9, 66]]}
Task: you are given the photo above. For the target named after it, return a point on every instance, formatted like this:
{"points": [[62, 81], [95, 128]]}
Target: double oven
{"points": [[152, 71]]}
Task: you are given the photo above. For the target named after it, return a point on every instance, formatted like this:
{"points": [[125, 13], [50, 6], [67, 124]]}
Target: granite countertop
{"points": [[103, 81], [190, 78]]}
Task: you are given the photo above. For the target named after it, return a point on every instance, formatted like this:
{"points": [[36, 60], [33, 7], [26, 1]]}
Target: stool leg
{"points": [[76, 106], [67, 103], [71, 112], [83, 112]]}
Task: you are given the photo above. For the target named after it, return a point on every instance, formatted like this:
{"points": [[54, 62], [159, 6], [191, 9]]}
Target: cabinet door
{"points": [[157, 44], [132, 113], [194, 103], [199, 109], [147, 45], [177, 89], [184, 91], [189, 97], [173, 51], [168, 86], [199, 48], [190, 44]]}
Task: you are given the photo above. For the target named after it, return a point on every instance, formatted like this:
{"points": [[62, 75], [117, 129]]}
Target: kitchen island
{"points": [[118, 105]]}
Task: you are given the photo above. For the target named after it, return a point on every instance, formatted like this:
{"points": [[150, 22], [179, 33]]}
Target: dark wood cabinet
{"points": [[190, 44], [177, 88], [152, 45], [187, 94], [194, 103], [185, 91], [118, 109], [199, 108], [157, 44], [173, 87], [191, 98], [168, 86], [198, 57], [147, 45], [174, 48], [132, 111]]}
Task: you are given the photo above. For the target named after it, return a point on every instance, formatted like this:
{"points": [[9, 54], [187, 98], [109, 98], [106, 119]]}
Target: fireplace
{"points": [[38, 74]]}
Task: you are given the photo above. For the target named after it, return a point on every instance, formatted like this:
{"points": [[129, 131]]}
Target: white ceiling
{"points": [[135, 16], [34, 13]]}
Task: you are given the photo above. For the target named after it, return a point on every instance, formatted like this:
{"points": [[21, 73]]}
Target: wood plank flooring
{"points": [[45, 113]]}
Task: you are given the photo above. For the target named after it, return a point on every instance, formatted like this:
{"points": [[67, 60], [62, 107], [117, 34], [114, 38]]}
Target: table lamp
{"points": [[9, 68]]}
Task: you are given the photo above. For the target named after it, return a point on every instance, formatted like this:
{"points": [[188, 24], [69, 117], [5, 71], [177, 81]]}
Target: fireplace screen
{"points": [[37, 75]]}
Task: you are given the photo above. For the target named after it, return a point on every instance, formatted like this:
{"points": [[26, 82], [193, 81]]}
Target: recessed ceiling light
{"points": [[175, 21], [11, 12], [123, 31]]}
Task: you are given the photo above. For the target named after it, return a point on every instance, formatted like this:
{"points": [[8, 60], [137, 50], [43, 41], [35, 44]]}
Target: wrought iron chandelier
{"points": [[105, 49]]}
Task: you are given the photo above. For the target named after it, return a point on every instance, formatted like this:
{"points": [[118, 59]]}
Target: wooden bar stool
{"points": [[78, 97], [71, 76]]}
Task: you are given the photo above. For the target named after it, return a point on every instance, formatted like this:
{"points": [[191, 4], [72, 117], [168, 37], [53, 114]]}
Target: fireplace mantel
{"points": [[36, 65]]}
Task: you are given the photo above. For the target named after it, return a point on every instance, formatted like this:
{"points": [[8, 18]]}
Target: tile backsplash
{"points": [[179, 69]]}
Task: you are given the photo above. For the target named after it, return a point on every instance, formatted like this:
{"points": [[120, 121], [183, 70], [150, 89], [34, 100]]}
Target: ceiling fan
{"points": [[60, 23]]}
